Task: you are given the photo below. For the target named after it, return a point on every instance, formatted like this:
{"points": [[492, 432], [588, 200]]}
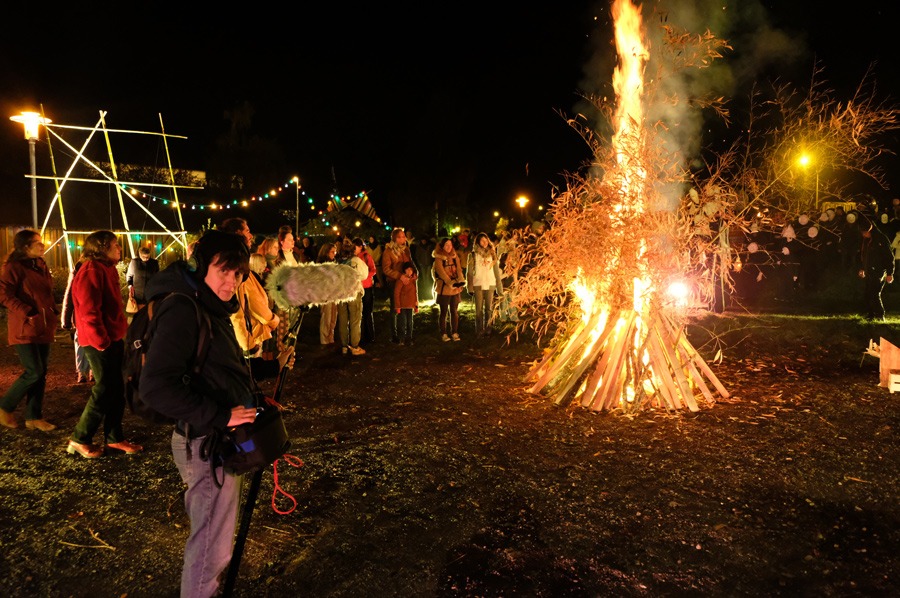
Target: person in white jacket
{"points": [[349, 317], [483, 279]]}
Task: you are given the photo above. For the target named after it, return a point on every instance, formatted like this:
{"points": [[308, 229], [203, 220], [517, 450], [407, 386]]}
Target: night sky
{"points": [[408, 103]]}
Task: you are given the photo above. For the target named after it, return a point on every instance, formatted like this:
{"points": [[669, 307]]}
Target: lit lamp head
{"points": [[32, 122]]}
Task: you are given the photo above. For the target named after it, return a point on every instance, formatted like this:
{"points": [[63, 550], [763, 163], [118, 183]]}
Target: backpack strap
{"points": [[204, 335]]}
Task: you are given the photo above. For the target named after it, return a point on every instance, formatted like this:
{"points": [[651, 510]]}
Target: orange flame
{"points": [[628, 83]]}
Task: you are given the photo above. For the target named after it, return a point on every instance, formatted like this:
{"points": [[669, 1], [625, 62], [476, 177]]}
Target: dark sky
{"points": [[389, 99]]}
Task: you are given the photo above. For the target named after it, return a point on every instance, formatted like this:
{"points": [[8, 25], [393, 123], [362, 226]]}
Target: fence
{"points": [[160, 244]]}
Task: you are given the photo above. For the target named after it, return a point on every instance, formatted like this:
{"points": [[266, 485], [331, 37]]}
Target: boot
{"points": [[39, 424], [8, 419]]}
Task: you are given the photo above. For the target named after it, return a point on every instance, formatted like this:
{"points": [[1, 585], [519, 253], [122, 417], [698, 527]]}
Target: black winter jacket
{"points": [[224, 382]]}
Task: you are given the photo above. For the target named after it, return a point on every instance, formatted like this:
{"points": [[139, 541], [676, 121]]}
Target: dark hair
{"points": [[359, 242], [233, 225], [406, 265], [227, 249], [97, 244], [21, 241], [478, 238], [284, 231], [144, 251], [440, 244]]}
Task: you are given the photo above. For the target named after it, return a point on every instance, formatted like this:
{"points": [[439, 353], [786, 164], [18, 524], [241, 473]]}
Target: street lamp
{"points": [[804, 161], [32, 122], [522, 201], [296, 181]]}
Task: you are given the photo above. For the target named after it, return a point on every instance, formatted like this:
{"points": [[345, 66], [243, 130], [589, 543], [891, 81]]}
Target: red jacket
{"points": [[367, 258], [406, 296], [26, 289], [97, 299]]}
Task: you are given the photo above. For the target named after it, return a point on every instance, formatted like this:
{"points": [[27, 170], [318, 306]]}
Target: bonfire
{"points": [[599, 277]]}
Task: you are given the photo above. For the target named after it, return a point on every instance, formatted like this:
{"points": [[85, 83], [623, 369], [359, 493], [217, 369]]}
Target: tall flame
{"points": [[628, 83]]}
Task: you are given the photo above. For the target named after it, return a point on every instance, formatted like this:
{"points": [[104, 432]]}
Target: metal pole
{"points": [[297, 210], [34, 211]]}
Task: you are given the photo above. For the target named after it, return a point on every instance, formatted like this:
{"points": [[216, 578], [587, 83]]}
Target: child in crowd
{"points": [[406, 301]]}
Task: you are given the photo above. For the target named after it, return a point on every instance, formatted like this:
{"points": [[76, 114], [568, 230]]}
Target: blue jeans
{"points": [[213, 513], [107, 402], [81, 364], [32, 381], [405, 324]]}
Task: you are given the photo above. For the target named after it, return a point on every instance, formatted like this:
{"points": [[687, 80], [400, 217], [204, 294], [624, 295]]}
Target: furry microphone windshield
{"points": [[312, 284]]}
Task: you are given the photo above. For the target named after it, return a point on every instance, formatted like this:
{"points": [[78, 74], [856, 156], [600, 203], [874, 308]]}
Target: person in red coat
{"points": [[101, 324], [26, 290]]}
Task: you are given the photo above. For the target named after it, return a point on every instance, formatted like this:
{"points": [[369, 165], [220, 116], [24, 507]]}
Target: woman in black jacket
{"points": [[221, 397]]}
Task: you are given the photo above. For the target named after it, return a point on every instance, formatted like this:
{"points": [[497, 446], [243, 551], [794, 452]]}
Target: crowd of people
{"points": [[223, 278]]}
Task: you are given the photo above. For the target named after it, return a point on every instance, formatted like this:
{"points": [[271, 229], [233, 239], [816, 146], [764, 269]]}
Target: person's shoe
{"points": [[129, 448], [88, 451], [91, 377], [455, 336], [79, 378], [357, 351], [39, 424], [8, 419], [445, 338], [344, 350]]}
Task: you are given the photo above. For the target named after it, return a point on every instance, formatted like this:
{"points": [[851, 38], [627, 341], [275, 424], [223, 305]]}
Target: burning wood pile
{"points": [[597, 277]]}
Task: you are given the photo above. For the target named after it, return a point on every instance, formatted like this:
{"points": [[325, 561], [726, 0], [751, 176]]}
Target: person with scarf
{"points": [[483, 279], [448, 284], [396, 253]]}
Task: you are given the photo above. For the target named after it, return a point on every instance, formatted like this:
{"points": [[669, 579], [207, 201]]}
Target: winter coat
{"points": [[483, 270], [97, 299], [393, 257], [206, 401], [298, 256], [139, 272], [875, 255], [447, 270], [67, 321], [26, 290], [406, 295], [369, 281], [262, 320]]}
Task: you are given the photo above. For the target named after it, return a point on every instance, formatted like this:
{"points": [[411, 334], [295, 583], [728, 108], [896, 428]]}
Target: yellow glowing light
{"points": [[679, 292], [358, 223], [32, 122], [244, 203], [522, 201]]}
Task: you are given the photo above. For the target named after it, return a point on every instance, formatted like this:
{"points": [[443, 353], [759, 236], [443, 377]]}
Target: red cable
{"points": [[294, 462]]}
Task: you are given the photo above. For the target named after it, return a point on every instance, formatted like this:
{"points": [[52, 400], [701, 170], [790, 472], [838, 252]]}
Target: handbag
{"points": [[131, 306], [248, 447]]}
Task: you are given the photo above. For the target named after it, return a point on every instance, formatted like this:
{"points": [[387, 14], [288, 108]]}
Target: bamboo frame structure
{"points": [[178, 237]]}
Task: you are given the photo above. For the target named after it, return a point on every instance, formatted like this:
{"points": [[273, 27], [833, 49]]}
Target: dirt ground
{"points": [[430, 471]]}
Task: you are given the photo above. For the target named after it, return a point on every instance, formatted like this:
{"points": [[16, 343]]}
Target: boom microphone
{"points": [[312, 284]]}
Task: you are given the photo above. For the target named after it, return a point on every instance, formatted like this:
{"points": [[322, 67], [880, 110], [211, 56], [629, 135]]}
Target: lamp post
{"points": [[522, 201], [804, 161], [32, 122], [297, 210]]}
